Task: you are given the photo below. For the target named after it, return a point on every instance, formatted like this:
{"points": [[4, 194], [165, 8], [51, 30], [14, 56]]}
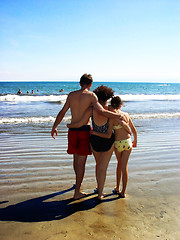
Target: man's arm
{"points": [[60, 117], [107, 113]]}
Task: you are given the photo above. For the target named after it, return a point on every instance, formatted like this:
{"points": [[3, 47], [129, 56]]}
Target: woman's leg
{"points": [[124, 167], [97, 156], [102, 161]]}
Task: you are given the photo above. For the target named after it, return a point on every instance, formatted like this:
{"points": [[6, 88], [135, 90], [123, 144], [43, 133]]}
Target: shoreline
{"points": [[36, 180]]}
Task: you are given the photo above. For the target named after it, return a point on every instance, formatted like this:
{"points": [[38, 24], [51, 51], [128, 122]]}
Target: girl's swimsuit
{"points": [[100, 144], [117, 127], [123, 145]]}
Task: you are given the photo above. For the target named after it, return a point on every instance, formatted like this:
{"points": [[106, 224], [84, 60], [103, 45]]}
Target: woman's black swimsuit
{"points": [[100, 144]]}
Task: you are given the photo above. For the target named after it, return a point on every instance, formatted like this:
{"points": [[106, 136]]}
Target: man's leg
{"points": [[79, 169]]}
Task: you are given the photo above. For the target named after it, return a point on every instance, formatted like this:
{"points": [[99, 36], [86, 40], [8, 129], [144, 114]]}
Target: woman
{"points": [[102, 148]]}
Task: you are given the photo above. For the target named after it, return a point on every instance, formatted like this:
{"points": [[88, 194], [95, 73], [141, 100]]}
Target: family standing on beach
{"points": [[111, 131]]}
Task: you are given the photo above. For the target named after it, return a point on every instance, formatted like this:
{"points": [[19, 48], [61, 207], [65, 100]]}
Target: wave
{"points": [[155, 115], [36, 120], [62, 98], [143, 97], [32, 120], [25, 98]]}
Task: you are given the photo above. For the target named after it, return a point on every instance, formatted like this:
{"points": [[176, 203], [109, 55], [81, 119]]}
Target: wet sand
{"points": [[36, 180]]}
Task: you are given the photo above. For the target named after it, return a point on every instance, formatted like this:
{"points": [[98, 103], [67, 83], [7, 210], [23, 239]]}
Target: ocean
{"points": [[142, 101], [36, 173], [26, 121]]}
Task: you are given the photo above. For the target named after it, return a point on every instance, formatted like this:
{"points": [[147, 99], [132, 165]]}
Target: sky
{"points": [[114, 40]]}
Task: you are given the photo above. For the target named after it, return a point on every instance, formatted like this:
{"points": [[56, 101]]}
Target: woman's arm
{"points": [[83, 121], [107, 134], [126, 127], [134, 131]]}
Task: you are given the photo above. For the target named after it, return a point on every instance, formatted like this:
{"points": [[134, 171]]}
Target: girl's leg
{"points": [[125, 158], [118, 169]]}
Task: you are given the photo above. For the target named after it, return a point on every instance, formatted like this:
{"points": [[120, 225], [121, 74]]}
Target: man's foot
{"points": [[115, 190], [79, 195]]}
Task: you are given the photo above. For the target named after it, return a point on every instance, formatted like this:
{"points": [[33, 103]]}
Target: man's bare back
{"points": [[79, 101]]}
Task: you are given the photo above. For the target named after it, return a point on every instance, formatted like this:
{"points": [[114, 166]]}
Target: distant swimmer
{"points": [[27, 92], [19, 92], [32, 92], [61, 90], [37, 90]]}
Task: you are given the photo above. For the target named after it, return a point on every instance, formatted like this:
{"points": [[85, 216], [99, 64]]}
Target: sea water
{"points": [[29, 152], [141, 100]]}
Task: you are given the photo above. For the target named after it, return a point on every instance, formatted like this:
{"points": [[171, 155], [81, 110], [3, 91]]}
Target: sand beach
{"points": [[36, 188]]}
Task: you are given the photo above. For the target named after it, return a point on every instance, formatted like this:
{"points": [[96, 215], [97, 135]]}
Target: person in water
{"points": [[19, 92]]}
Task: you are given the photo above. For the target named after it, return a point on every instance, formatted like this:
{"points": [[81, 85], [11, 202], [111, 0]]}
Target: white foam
{"points": [[30, 120], [155, 115], [36, 120], [26, 98], [62, 98], [143, 97]]}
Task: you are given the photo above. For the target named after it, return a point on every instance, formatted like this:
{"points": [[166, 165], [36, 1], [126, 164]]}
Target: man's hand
{"points": [[54, 131]]}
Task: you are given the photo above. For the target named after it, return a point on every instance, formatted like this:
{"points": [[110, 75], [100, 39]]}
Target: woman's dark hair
{"points": [[116, 102], [103, 93]]}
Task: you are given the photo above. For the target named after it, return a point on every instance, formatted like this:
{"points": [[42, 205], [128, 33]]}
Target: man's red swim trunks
{"points": [[79, 141]]}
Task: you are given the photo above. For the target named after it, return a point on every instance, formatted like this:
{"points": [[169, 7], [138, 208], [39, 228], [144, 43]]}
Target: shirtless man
{"points": [[78, 138]]}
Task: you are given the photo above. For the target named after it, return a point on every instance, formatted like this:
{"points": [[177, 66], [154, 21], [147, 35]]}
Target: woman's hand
{"points": [[134, 144]]}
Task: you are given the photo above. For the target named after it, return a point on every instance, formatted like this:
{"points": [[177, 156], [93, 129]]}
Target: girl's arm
{"points": [[107, 134], [134, 131], [83, 121]]}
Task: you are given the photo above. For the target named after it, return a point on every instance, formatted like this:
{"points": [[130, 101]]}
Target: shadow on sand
{"points": [[36, 210]]}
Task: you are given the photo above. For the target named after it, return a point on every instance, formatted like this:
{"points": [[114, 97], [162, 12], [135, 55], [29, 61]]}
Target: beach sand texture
{"points": [[36, 180]]}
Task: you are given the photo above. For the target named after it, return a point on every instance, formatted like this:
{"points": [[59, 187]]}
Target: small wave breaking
{"points": [[143, 97], [25, 98], [155, 115], [36, 120], [62, 98], [30, 120]]}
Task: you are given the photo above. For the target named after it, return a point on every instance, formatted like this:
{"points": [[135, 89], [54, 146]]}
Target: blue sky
{"points": [[114, 40]]}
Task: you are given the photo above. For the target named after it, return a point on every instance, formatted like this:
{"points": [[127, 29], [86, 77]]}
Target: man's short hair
{"points": [[86, 79]]}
